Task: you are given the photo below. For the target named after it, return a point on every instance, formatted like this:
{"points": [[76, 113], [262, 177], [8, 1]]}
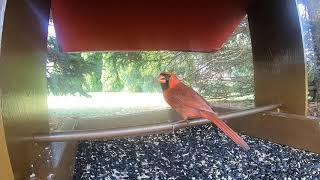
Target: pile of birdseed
{"points": [[201, 152]]}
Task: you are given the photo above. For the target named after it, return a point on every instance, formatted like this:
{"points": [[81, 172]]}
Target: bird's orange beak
{"points": [[162, 79]]}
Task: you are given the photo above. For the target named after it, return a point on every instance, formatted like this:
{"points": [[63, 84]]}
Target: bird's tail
{"points": [[225, 128]]}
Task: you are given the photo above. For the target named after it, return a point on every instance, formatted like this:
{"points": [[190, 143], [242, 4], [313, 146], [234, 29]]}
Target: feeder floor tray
{"points": [[201, 152]]}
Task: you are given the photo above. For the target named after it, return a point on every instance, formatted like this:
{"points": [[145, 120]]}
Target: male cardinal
{"points": [[190, 105]]}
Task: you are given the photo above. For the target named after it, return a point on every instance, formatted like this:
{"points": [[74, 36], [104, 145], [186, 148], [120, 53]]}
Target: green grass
{"points": [[104, 104]]}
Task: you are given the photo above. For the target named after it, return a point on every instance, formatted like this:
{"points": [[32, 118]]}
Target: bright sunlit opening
{"points": [[51, 30]]}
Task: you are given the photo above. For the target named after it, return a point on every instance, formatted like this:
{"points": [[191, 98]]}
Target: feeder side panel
{"points": [[23, 80], [278, 54]]}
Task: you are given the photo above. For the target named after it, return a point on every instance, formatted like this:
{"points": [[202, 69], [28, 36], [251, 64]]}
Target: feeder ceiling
{"points": [[133, 25]]}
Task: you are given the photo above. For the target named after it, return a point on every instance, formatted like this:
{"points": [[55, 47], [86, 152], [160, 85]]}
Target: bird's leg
{"points": [[185, 119], [180, 121], [175, 123]]}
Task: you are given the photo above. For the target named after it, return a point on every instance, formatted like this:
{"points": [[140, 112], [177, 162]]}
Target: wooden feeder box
{"points": [[278, 57]]}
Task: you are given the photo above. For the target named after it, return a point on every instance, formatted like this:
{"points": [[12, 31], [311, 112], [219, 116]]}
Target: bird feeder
{"points": [[204, 25]]}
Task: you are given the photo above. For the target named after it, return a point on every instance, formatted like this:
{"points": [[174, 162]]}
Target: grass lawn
{"points": [[106, 104], [101, 105]]}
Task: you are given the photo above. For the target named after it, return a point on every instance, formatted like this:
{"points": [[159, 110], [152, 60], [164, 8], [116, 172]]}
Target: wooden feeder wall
{"points": [[279, 78]]}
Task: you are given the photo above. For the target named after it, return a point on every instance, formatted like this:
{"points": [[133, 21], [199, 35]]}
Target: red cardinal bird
{"points": [[190, 105]]}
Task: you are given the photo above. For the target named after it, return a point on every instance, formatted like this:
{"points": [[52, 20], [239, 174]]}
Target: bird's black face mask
{"points": [[164, 80]]}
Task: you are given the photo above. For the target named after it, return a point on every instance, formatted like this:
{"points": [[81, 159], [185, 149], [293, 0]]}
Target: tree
{"points": [[137, 71], [68, 72], [310, 15], [94, 62], [311, 19], [226, 73]]}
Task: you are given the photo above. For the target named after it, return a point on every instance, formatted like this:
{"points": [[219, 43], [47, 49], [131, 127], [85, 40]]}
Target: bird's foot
{"points": [[178, 122]]}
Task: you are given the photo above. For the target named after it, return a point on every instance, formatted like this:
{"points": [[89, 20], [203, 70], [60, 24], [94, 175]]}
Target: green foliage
{"points": [[67, 76], [137, 71], [311, 29], [226, 73], [72, 73], [94, 62]]}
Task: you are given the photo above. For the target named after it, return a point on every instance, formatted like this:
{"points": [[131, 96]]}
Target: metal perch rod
{"points": [[141, 130]]}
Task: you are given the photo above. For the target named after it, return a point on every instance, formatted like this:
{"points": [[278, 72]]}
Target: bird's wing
{"points": [[184, 96]]}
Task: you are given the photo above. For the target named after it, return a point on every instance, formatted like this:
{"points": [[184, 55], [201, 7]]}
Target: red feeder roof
{"points": [[131, 25]]}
